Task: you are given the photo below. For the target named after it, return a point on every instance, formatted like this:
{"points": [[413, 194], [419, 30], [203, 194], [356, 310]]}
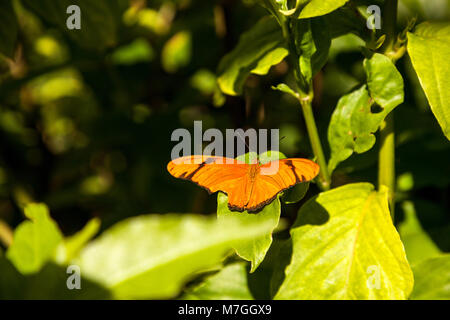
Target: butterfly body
{"points": [[249, 186]]}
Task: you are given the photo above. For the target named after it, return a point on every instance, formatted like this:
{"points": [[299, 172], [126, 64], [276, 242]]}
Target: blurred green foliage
{"points": [[86, 115]]}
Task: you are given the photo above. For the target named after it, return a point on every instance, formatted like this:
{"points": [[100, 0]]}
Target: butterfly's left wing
{"points": [[289, 172], [215, 174]]}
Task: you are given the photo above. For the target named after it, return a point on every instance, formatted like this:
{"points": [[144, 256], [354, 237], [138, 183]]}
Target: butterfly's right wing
{"points": [[215, 174], [287, 173]]}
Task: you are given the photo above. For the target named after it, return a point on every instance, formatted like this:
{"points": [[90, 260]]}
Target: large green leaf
{"points": [[254, 250], [418, 244], [98, 20], [346, 247], [429, 49], [432, 279], [356, 117], [230, 283], [35, 241], [258, 49], [152, 256], [8, 28]]}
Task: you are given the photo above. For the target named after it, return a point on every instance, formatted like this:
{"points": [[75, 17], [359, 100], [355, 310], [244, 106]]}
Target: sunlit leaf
{"points": [[230, 283], [357, 117], [286, 89], [429, 49], [258, 49], [432, 279], [384, 82], [320, 7], [346, 247], [152, 256], [35, 240], [253, 250]]}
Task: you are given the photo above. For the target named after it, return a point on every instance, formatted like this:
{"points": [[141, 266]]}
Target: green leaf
{"points": [[152, 256], [230, 283], [345, 131], [356, 118], [70, 247], [429, 49], [346, 247], [8, 28], [177, 52], [253, 250], [418, 244], [258, 49], [432, 279], [384, 81], [313, 41], [98, 20], [35, 240], [312, 8], [320, 7], [286, 89]]}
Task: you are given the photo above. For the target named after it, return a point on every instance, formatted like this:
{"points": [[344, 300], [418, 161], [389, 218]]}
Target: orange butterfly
{"points": [[249, 186]]}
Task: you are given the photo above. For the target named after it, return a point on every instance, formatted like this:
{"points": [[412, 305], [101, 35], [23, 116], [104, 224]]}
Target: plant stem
{"points": [[386, 159], [386, 156], [305, 94], [324, 177]]}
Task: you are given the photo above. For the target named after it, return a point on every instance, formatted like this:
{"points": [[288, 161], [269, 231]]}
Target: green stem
{"points": [[386, 156], [305, 94], [324, 177], [386, 159]]}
